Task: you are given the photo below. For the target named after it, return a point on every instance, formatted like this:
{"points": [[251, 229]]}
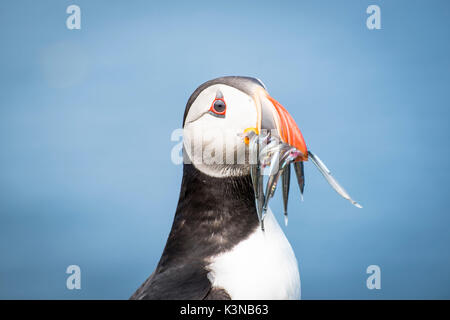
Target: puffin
{"points": [[225, 242]]}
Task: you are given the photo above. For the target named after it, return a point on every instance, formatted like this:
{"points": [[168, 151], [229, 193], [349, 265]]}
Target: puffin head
{"points": [[221, 116]]}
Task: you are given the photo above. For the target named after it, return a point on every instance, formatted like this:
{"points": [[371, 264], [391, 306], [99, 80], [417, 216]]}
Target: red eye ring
{"points": [[218, 107]]}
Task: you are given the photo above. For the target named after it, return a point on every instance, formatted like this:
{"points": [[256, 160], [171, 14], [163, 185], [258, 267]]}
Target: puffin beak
{"points": [[273, 116], [288, 146]]}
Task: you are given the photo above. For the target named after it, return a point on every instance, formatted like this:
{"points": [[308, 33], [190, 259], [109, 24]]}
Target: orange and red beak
{"points": [[272, 115]]}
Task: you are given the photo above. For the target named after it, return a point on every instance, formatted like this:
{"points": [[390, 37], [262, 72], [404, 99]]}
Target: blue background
{"points": [[86, 117]]}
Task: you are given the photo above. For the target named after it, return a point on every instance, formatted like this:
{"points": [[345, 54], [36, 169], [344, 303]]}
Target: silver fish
{"points": [[282, 157], [285, 182], [331, 180], [260, 200], [274, 174], [270, 157], [256, 175], [299, 172]]}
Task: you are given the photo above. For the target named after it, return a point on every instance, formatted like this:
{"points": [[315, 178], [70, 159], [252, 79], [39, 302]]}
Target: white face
{"points": [[213, 139]]}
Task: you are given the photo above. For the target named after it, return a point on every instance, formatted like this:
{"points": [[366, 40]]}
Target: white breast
{"points": [[261, 267]]}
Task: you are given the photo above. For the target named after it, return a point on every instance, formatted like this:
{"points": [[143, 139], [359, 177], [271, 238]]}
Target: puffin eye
{"points": [[218, 108]]}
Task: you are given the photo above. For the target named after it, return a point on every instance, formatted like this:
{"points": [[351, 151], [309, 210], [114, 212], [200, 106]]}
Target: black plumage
{"points": [[213, 215]]}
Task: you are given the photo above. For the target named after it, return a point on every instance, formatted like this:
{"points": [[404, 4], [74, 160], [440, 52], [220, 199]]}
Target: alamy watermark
{"points": [[374, 280], [374, 20], [210, 146], [74, 280], [74, 20]]}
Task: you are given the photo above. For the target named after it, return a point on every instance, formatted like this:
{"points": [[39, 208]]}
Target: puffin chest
{"points": [[263, 266]]}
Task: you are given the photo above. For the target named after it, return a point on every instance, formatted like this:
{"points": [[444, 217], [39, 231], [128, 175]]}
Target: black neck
{"points": [[212, 216]]}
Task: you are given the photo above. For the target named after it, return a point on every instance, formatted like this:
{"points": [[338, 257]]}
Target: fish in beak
{"points": [[274, 144]]}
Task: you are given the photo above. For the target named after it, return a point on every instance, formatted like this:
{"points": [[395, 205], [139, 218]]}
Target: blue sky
{"points": [[86, 117]]}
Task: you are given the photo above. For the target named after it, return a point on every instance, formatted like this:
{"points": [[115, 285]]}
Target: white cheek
{"points": [[206, 135], [208, 145], [242, 114]]}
